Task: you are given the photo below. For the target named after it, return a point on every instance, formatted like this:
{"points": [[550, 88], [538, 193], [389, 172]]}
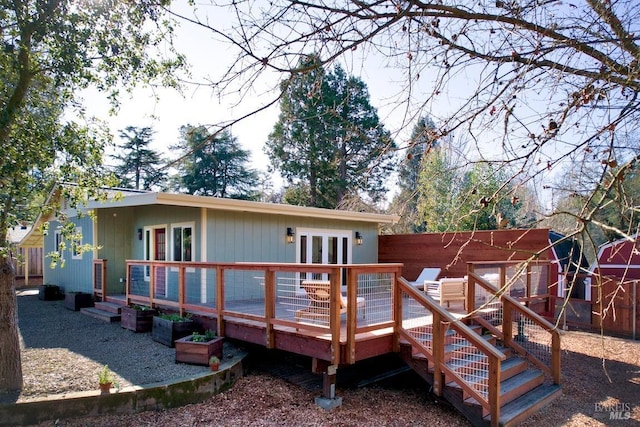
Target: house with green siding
{"points": [[155, 226]]}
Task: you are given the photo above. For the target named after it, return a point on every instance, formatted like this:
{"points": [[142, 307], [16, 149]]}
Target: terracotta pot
{"points": [[214, 366], [105, 388]]}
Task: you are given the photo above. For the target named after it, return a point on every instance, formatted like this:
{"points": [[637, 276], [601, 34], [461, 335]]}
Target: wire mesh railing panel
{"points": [[200, 286], [244, 291], [539, 280], [303, 298], [534, 339], [468, 362], [290, 297], [374, 298], [98, 280], [165, 287], [138, 285], [417, 321], [516, 276], [487, 306]]}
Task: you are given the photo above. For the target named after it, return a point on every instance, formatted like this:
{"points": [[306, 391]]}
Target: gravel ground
{"points": [[590, 386], [63, 350]]}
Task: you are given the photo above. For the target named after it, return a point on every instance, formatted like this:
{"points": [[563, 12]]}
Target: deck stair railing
{"points": [[99, 272], [514, 324], [454, 350]]}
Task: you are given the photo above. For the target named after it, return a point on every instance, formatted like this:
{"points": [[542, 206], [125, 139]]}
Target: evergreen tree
{"points": [[214, 165], [138, 165], [438, 187], [328, 142], [405, 203]]}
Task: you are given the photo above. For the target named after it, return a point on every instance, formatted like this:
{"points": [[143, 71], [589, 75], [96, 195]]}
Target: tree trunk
{"points": [[10, 363]]}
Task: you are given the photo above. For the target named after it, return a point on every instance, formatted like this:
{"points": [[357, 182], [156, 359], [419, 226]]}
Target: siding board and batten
{"points": [[225, 230]]}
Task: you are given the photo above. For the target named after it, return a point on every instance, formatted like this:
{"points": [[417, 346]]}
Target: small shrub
{"points": [[207, 336]]}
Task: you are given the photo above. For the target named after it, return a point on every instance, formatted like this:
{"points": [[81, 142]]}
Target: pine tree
{"points": [[214, 165], [139, 166], [328, 142]]}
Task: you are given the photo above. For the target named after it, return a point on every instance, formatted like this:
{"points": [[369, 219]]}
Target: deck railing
{"points": [[274, 295], [99, 273], [471, 362], [307, 300], [513, 323]]}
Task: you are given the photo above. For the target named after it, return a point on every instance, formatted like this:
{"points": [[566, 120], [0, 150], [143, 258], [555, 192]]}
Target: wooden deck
{"points": [[492, 357]]}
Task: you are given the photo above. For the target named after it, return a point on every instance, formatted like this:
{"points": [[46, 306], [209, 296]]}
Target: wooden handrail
{"points": [[543, 323], [494, 356], [509, 302], [461, 327]]}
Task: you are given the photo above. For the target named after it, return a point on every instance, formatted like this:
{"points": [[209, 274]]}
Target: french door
{"points": [[155, 249], [319, 246]]}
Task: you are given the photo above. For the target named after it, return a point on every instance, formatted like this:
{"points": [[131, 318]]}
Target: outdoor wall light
{"points": [[358, 238], [139, 233], [290, 235]]}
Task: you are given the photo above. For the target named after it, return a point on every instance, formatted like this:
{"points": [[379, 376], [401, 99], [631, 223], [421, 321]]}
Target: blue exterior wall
{"points": [[231, 236], [75, 274]]}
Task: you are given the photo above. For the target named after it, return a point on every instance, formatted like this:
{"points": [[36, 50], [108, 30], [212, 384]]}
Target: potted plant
{"points": [[198, 348], [77, 300], [166, 328], [105, 379], [137, 318], [214, 363]]}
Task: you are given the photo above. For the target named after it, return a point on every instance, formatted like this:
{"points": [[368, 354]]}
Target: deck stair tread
{"points": [[513, 387], [521, 408], [108, 307], [508, 368], [523, 390], [105, 316], [463, 345]]}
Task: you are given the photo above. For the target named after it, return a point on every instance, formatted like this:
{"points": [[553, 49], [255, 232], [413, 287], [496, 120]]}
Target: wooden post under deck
{"points": [[329, 375]]}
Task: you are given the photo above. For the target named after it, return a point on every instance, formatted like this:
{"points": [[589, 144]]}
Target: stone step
{"points": [[103, 315]]}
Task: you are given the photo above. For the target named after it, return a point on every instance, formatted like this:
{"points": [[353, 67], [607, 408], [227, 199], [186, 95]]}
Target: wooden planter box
{"points": [[137, 320], [198, 353], [49, 293], [167, 331], [77, 300]]}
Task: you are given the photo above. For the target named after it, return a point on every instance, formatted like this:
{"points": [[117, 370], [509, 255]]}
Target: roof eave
{"points": [[243, 206]]}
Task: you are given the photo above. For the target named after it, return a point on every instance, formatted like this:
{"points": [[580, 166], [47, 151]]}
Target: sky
{"points": [[198, 105]]}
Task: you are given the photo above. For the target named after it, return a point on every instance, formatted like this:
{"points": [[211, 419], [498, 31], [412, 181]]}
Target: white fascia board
{"points": [[271, 208], [217, 203]]}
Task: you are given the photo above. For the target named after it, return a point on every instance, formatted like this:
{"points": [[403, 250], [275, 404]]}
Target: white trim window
{"points": [[76, 243], [182, 242], [58, 245]]}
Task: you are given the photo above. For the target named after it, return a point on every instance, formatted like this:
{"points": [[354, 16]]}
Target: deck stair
{"points": [[524, 389], [106, 311]]}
